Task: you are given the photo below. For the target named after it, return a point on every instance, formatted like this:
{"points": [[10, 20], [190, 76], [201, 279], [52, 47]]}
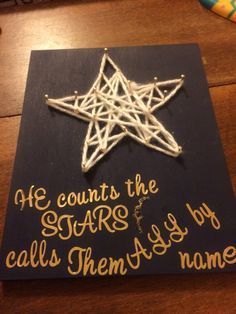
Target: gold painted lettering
{"points": [[34, 257], [48, 220], [176, 234], [198, 261], [104, 196], [40, 195], [129, 184], [114, 194], [136, 256], [22, 259], [160, 246], [229, 255], [10, 259], [61, 200], [101, 265], [102, 218], [152, 186], [185, 260], [120, 218], [117, 266], [214, 260], [79, 260], [81, 198], [72, 199], [203, 212], [65, 220], [208, 260], [87, 223], [33, 254], [93, 196]]}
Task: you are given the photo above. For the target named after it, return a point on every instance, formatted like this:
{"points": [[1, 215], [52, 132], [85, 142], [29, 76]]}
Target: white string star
{"points": [[116, 107]]}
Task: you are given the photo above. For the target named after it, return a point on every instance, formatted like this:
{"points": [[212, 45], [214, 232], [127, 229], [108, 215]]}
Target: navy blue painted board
{"points": [[49, 156]]}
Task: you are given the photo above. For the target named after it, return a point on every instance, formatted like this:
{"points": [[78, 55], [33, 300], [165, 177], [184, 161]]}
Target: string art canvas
{"points": [[119, 168]]}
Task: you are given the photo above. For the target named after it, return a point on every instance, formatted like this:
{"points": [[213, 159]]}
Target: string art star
{"points": [[116, 107]]}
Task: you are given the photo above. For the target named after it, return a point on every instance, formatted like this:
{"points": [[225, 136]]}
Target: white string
{"points": [[116, 107]]}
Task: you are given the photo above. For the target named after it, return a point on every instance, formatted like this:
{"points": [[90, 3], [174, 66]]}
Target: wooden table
{"points": [[74, 24]]}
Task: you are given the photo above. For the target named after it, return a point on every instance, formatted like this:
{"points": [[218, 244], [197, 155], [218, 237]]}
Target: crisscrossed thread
{"points": [[116, 107]]}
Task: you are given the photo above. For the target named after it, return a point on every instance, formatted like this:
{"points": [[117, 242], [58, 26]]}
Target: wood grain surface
{"points": [[75, 24]]}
